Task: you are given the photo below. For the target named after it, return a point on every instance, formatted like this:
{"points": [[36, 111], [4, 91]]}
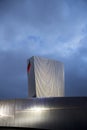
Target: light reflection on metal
{"points": [[36, 109]]}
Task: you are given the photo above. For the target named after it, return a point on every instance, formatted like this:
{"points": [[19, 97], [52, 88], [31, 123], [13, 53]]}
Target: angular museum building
{"points": [[45, 77], [46, 107]]}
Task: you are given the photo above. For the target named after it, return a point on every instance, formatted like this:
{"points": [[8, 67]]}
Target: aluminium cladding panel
{"points": [[36, 113], [45, 113], [7, 109], [49, 77], [31, 78], [51, 113], [27, 113]]}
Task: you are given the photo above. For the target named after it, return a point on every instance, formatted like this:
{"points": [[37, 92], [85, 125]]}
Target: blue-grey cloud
{"points": [[50, 28]]}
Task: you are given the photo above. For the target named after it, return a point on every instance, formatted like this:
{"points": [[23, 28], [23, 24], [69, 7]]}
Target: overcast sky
{"points": [[56, 29]]}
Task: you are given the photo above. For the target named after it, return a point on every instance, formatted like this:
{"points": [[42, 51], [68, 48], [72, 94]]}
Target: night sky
{"points": [[56, 29]]}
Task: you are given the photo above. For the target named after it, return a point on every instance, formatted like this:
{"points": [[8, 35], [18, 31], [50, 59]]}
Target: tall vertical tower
{"points": [[45, 77]]}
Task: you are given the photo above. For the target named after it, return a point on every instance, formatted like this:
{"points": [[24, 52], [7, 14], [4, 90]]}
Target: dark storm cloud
{"points": [[50, 28]]}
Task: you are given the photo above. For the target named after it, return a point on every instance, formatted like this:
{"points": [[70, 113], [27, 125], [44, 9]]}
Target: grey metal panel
{"points": [[49, 77], [7, 112], [27, 113], [46, 113], [50, 113], [31, 79]]}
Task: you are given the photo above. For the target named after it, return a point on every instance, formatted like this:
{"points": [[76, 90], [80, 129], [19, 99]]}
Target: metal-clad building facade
{"points": [[45, 77], [31, 78], [45, 113]]}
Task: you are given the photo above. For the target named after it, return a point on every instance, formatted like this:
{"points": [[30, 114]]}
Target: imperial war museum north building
{"points": [[45, 77]]}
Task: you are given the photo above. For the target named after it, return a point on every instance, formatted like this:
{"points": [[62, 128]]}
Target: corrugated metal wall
{"points": [[31, 79], [49, 77], [46, 77], [45, 113], [7, 109]]}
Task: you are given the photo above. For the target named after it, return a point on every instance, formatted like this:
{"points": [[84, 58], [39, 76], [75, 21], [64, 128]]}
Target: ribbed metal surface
{"points": [[31, 79], [7, 112], [45, 113], [47, 77]]}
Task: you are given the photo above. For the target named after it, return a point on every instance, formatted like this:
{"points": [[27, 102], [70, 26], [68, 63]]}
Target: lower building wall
{"points": [[45, 113]]}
